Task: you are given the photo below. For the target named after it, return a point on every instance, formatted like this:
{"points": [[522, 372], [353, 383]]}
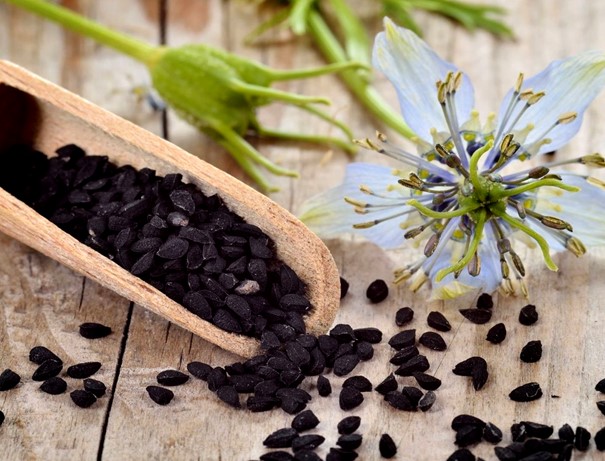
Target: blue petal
{"points": [[328, 215], [413, 68], [570, 86]]}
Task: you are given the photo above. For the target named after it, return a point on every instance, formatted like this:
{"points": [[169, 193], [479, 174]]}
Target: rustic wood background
{"points": [[42, 303]]}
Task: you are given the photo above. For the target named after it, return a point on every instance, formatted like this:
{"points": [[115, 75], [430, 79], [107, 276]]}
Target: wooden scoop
{"points": [[46, 116]]}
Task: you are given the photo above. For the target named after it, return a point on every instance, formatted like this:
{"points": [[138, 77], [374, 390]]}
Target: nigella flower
{"points": [[467, 197]]}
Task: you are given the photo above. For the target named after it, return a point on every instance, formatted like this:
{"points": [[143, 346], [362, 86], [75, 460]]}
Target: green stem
{"points": [[291, 74], [134, 48], [474, 168], [441, 214], [534, 185], [298, 14], [341, 143], [357, 43], [333, 52]]}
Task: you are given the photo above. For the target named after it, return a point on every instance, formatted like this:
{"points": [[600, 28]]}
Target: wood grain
{"points": [[196, 425]]}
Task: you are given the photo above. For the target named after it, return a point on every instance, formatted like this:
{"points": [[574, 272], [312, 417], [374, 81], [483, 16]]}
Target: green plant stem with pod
{"points": [[216, 91]]}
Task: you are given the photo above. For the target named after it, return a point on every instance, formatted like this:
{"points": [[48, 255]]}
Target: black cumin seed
{"points": [[412, 393], [427, 382], [199, 369], [601, 406], [82, 398], [91, 330], [540, 431], [172, 378], [415, 364], [182, 199], [404, 316], [47, 369], [95, 387], [196, 303], [505, 454], [389, 384], [468, 435], [8, 379], [344, 287], [399, 401], [277, 456], [377, 291], [531, 352], [305, 421], [54, 386], [174, 248], [324, 388], [2, 418], [528, 315], [599, 438], [526, 392], [364, 350], [387, 446], [477, 316], [485, 301], [600, 386], [40, 354], [345, 364], [466, 420], [229, 395], [468, 366], [370, 335], [349, 441], [492, 433], [566, 433], [349, 424], [307, 442], [361, 383], [582, 439], [223, 319], [403, 339], [281, 438], [341, 332], [426, 401], [338, 454], [433, 341], [438, 321], [83, 370], [404, 355], [160, 395], [518, 432], [143, 264], [497, 333], [257, 403], [462, 454], [306, 455], [349, 398]]}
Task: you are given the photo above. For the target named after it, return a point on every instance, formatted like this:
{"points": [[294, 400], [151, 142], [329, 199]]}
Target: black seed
{"points": [[468, 435], [256, 403], [83, 399], [344, 287], [341, 332], [297, 354], [8, 379], [229, 395], [438, 321], [349, 398], [83, 370], [485, 301], [324, 388], [528, 315], [377, 291], [349, 441], [364, 350], [433, 341], [171, 378], [389, 384], [305, 421], [479, 377], [540, 431], [463, 420], [600, 386], [387, 446], [143, 264], [468, 366], [306, 455], [269, 340], [526, 392], [599, 438], [477, 316], [54, 386], [282, 438], [277, 456], [566, 433], [182, 199], [497, 333], [399, 401], [518, 432], [307, 341], [223, 319], [404, 355], [404, 316], [462, 454], [47, 369], [370, 335], [415, 364], [338, 454], [160, 395], [531, 352], [345, 364], [582, 439], [505, 454], [403, 339], [361, 383], [216, 378], [328, 345], [428, 382], [307, 442], [492, 433], [92, 330], [146, 245], [199, 369], [2, 418], [40, 354], [196, 303], [97, 388], [412, 393], [601, 406], [177, 219], [173, 249], [349, 424], [426, 401]]}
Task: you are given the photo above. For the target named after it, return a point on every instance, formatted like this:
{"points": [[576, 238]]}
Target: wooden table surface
{"points": [[43, 303]]}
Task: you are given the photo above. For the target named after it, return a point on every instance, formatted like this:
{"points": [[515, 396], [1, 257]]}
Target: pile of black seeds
{"points": [[186, 244]]}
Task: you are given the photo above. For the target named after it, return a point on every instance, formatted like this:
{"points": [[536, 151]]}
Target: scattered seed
{"points": [[95, 387], [599, 437], [349, 398], [531, 352], [497, 333], [160, 395], [364, 350], [463, 420], [307, 442], [8, 379], [306, 455], [83, 370], [2, 419], [377, 291], [600, 386], [349, 424], [47, 369], [345, 364], [403, 339], [433, 341], [399, 401], [389, 384], [92, 330], [199, 369], [40, 354], [54, 386], [305, 421], [416, 364], [476, 368], [404, 316], [387, 446], [438, 321], [427, 400], [282, 438], [566, 433], [462, 454], [468, 435], [505, 454], [427, 382], [370, 335], [342, 333], [83, 399], [540, 431], [485, 301], [344, 287], [582, 439], [528, 315], [492, 433], [349, 441], [526, 392], [361, 383], [324, 388], [229, 395], [277, 456], [601, 406], [477, 316], [172, 378]]}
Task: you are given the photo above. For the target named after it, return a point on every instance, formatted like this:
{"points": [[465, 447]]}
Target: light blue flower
{"points": [[457, 195]]}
